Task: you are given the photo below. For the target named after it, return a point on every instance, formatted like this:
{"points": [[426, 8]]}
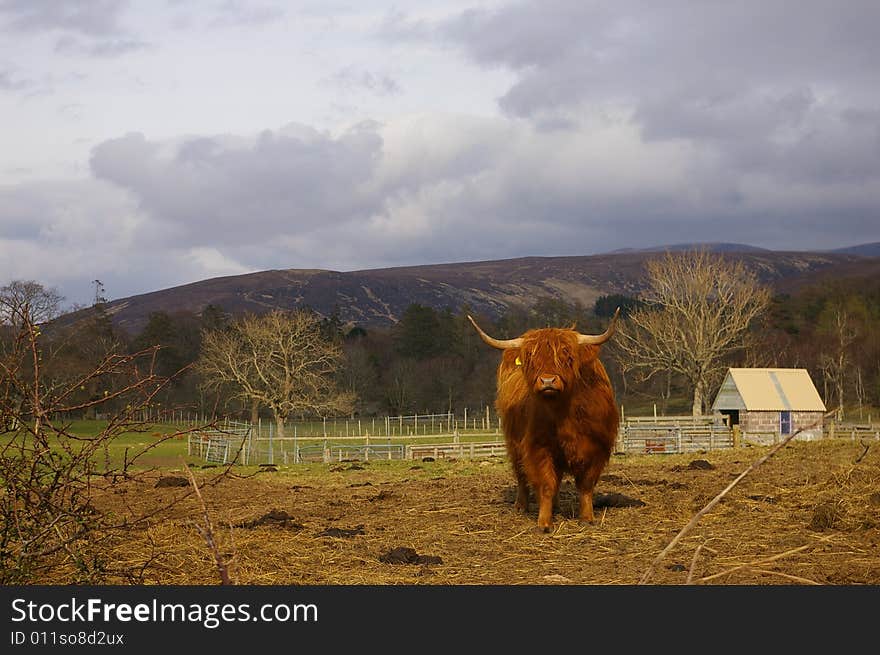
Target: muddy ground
{"points": [[811, 514]]}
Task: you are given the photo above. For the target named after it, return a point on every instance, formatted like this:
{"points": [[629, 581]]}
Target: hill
{"points": [[711, 247], [863, 249], [378, 297]]}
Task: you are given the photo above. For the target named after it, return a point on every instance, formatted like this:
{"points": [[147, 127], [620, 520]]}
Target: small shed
{"points": [[770, 403]]}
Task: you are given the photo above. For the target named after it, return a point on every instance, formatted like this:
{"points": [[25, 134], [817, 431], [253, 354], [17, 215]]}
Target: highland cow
{"points": [[558, 413]]}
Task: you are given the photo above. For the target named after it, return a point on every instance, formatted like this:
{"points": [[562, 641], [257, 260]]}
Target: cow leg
{"points": [[522, 492], [522, 481], [547, 487], [586, 482]]}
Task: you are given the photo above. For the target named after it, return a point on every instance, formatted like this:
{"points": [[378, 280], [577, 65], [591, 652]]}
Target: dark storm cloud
{"points": [[569, 51], [773, 106], [93, 18], [283, 181], [91, 28]]}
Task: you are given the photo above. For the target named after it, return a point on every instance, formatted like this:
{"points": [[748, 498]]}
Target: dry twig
{"points": [[752, 565], [690, 577], [207, 531], [699, 515]]}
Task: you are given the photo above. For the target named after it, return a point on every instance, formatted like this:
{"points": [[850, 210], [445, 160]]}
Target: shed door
{"points": [[784, 423]]}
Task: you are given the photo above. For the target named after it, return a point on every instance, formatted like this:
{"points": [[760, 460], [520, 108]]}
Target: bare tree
{"points": [[699, 309], [28, 301], [840, 321], [279, 360]]}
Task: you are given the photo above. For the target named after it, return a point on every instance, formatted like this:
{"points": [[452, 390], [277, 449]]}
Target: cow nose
{"points": [[548, 381]]}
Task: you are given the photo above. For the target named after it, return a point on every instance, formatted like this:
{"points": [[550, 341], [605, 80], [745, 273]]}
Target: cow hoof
{"points": [[584, 521], [522, 508], [543, 529]]}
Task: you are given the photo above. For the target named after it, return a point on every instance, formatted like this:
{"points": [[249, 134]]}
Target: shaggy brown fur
{"points": [[559, 417]]}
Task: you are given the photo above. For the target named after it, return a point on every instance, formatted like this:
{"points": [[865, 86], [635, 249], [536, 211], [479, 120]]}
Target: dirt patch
{"points": [[615, 500], [344, 533], [825, 516], [336, 468], [405, 555], [276, 518], [808, 515], [172, 481], [696, 465]]}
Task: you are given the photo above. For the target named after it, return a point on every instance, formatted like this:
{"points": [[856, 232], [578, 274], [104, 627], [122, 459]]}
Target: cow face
{"points": [[549, 358], [549, 361]]}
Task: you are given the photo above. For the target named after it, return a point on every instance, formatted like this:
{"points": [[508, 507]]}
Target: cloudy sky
{"points": [[150, 143]]}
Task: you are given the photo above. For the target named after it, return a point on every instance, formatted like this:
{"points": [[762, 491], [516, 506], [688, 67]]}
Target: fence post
{"points": [[271, 454]]}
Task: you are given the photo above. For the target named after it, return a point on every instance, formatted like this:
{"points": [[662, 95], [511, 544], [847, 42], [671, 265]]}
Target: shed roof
{"points": [[768, 389]]}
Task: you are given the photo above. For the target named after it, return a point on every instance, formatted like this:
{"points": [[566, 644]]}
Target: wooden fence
{"points": [[219, 446], [853, 431], [672, 434], [456, 450], [681, 434]]}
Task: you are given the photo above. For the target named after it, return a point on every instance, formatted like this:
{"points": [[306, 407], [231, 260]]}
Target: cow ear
{"points": [[587, 353]]}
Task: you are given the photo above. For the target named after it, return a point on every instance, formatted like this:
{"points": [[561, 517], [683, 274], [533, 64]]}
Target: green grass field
{"points": [[158, 452], [161, 450]]}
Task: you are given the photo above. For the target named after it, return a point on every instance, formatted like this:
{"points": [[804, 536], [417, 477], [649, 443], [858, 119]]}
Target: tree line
{"points": [[699, 314]]}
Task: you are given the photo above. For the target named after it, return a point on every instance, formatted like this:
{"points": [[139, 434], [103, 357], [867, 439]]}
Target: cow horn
{"points": [[501, 344], [595, 340]]}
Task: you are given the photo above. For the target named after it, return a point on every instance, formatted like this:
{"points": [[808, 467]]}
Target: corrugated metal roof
{"points": [[770, 389]]}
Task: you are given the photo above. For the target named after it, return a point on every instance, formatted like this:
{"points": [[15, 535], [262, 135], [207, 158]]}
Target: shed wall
{"points": [[768, 422]]}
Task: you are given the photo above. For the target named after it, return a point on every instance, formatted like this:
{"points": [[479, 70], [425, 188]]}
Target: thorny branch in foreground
{"points": [[47, 516], [699, 515]]}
